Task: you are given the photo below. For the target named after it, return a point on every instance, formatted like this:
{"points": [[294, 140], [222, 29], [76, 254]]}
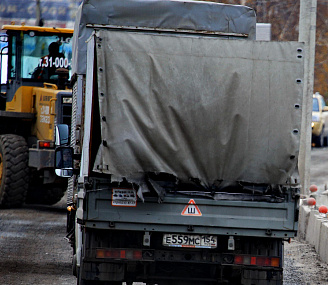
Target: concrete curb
{"points": [[313, 228]]}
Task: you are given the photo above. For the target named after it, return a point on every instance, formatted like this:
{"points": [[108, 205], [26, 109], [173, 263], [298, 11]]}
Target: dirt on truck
{"points": [[185, 133]]}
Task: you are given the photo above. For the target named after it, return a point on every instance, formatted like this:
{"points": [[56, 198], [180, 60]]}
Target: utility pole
{"points": [[39, 20], [307, 34]]}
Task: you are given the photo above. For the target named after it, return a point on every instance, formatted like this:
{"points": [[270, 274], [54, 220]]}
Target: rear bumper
{"points": [[153, 262]]}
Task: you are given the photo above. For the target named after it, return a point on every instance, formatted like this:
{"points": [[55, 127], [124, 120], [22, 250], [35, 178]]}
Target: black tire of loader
{"points": [[15, 171]]}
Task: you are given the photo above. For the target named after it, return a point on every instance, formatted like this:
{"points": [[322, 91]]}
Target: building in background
{"points": [[55, 13]]}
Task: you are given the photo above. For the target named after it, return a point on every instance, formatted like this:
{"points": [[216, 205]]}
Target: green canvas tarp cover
{"points": [[198, 107]]}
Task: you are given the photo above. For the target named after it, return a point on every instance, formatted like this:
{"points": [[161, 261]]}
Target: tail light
{"points": [[45, 144], [257, 260], [115, 253]]}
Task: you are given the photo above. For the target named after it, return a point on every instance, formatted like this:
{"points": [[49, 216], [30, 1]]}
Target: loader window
{"points": [[3, 58], [42, 54], [13, 58]]}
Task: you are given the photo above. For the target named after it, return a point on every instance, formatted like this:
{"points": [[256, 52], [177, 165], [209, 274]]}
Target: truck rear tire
{"points": [[14, 171]]}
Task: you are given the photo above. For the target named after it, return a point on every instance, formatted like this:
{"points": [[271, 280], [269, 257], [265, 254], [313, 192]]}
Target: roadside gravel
{"points": [[302, 265]]}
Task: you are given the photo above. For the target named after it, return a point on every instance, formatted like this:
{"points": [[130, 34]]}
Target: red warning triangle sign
{"points": [[191, 209]]}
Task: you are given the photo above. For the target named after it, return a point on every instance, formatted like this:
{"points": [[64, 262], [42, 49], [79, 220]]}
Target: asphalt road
{"points": [[32, 246], [319, 168], [33, 249]]}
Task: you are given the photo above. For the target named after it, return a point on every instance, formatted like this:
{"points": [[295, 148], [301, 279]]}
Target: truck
{"points": [[35, 97], [184, 145]]}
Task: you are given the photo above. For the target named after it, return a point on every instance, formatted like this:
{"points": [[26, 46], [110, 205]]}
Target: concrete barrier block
{"points": [[323, 198], [323, 248], [303, 222], [317, 230], [311, 236], [313, 227]]}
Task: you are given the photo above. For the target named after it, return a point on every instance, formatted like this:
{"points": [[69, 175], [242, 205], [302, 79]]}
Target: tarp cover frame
{"points": [[158, 14]]}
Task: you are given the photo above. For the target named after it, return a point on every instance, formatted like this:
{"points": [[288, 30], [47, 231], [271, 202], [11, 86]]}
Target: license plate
{"points": [[193, 241]]}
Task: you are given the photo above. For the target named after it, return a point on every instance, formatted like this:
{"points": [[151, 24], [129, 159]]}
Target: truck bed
{"points": [[219, 217]]}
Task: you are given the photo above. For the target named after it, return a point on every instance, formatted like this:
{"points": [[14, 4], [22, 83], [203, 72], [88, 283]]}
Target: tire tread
{"points": [[15, 179]]}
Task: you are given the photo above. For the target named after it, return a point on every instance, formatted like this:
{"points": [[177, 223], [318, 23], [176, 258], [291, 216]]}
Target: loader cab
{"points": [[3, 61], [31, 56]]}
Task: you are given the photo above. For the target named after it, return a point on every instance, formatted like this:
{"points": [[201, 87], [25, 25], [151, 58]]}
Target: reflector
{"points": [[275, 261], [122, 254], [137, 254], [100, 253], [239, 259]]}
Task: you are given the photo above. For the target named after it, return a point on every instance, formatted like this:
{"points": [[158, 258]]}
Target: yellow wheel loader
{"points": [[35, 97]]}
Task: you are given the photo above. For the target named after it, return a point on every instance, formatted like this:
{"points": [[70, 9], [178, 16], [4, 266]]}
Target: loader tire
{"points": [[14, 171]]}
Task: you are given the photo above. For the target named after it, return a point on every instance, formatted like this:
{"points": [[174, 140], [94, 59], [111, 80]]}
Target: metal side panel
{"points": [[184, 214], [88, 108]]}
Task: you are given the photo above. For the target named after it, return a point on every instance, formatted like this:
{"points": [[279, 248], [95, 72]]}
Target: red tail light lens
{"points": [[263, 261], [46, 144], [129, 254], [257, 260], [253, 260]]}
